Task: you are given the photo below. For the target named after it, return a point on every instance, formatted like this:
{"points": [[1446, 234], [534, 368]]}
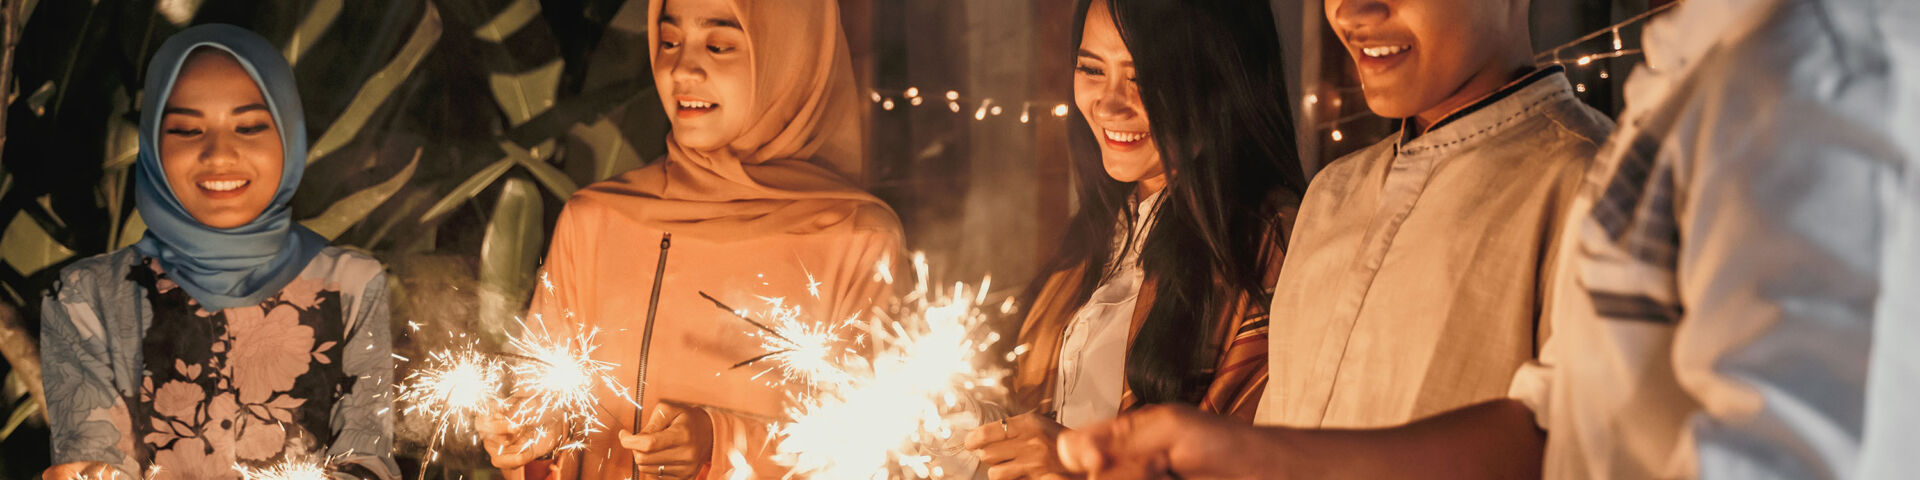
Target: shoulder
{"points": [[353, 271], [1582, 127], [87, 275], [1352, 165]]}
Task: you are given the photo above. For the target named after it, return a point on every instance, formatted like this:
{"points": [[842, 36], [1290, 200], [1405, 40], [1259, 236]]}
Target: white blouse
{"points": [[1093, 353]]}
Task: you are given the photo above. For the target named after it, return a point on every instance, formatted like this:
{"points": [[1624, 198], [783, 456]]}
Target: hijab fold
{"points": [[231, 267], [794, 169]]}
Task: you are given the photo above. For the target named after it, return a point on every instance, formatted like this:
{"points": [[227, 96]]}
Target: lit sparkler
{"points": [[290, 470], [556, 375], [896, 410], [456, 387]]}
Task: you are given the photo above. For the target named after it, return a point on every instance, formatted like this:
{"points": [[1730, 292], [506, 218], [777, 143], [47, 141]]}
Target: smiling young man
{"points": [[1421, 287], [1419, 283]]}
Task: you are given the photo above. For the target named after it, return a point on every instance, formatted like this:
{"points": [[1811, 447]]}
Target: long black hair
{"points": [[1211, 79]]}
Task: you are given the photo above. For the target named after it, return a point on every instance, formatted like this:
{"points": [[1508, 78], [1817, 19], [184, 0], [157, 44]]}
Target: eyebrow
{"points": [[196, 113], [1090, 56], [706, 22]]}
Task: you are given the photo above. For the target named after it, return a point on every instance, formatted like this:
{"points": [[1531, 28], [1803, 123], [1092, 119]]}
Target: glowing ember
{"points": [[557, 376], [454, 388], [293, 470], [894, 412]]}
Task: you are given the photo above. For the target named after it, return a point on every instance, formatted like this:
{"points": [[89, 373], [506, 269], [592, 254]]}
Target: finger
{"points": [[682, 471], [654, 442], [1080, 451], [668, 457], [1012, 470], [1000, 452], [663, 415], [985, 434]]}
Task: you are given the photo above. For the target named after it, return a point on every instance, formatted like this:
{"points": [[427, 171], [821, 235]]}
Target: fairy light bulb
{"points": [[952, 95], [1060, 110], [913, 91]]}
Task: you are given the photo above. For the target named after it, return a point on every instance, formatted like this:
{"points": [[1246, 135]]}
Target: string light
{"points": [[913, 91], [1337, 136], [887, 105], [952, 95], [1060, 110]]}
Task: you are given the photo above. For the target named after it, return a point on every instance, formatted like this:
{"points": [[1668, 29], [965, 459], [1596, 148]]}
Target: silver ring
{"points": [[662, 472], [1003, 427]]}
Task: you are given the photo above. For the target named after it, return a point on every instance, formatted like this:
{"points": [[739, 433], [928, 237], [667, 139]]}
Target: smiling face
{"points": [[704, 71], [219, 145], [1104, 89], [1426, 58]]}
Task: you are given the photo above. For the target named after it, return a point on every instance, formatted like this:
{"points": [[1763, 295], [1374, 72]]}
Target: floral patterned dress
{"points": [[143, 379]]}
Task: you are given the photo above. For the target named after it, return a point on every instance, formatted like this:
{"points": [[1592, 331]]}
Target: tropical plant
{"points": [[445, 136]]}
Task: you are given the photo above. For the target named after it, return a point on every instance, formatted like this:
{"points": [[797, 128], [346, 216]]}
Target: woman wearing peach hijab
{"points": [[758, 191]]}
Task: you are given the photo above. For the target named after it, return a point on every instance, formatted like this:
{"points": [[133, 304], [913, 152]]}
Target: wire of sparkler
{"points": [[756, 323], [646, 339]]}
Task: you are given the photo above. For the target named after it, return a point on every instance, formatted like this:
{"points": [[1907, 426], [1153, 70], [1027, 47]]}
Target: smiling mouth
{"points": [[223, 185], [1124, 140], [694, 108], [1384, 50]]}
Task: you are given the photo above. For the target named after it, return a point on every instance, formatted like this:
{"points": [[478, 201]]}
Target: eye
{"points": [[183, 132], [1089, 70], [251, 129], [668, 44], [719, 48]]}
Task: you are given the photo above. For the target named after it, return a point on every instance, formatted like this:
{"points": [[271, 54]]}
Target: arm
{"points": [[1490, 440], [365, 416], [87, 415]]}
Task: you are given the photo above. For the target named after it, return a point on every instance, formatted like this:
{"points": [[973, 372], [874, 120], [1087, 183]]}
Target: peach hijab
{"points": [[795, 168]]}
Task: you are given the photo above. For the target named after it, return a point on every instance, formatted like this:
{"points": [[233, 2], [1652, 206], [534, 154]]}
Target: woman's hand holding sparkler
{"points": [[81, 470], [512, 444], [675, 442], [1018, 447]]}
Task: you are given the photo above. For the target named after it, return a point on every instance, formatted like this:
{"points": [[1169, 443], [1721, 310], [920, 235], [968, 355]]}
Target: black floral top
{"points": [[154, 383]]}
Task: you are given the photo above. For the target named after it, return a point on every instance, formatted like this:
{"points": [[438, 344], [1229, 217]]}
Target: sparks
{"points": [[896, 410], [557, 376], [451, 391]]}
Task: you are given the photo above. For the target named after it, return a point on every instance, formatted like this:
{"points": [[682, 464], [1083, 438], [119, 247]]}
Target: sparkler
{"points": [[455, 387], [896, 410], [557, 376], [293, 469]]}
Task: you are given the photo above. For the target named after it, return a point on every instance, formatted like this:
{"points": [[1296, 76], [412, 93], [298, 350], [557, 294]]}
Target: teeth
{"points": [[694, 104], [223, 185], [1125, 137], [1378, 52]]}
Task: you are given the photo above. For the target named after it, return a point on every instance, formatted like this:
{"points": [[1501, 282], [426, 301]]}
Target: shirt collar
{"points": [[1490, 112]]}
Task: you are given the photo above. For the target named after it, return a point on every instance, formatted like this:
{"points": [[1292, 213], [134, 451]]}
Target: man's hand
{"points": [[1164, 442]]}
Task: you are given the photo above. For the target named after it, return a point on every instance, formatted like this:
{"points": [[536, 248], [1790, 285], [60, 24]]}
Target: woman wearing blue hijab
{"points": [[229, 337]]}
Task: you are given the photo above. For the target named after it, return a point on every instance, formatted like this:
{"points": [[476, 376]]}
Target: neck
{"points": [[1146, 187], [1487, 81]]}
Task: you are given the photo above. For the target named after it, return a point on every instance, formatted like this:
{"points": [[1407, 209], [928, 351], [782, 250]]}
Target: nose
{"points": [[687, 66], [219, 150], [1117, 100], [1353, 15]]}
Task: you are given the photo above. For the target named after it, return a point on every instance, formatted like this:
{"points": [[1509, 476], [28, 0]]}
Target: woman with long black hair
{"points": [[1187, 178]]}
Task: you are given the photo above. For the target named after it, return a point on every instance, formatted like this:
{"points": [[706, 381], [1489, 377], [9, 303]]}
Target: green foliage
{"points": [[446, 134]]}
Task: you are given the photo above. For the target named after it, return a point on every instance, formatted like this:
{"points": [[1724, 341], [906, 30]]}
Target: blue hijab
{"points": [[231, 267]]}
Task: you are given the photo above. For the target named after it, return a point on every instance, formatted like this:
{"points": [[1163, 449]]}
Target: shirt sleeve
{"points": [[364, 446], [1892, 423], [1780, 153], [87, 415]]}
